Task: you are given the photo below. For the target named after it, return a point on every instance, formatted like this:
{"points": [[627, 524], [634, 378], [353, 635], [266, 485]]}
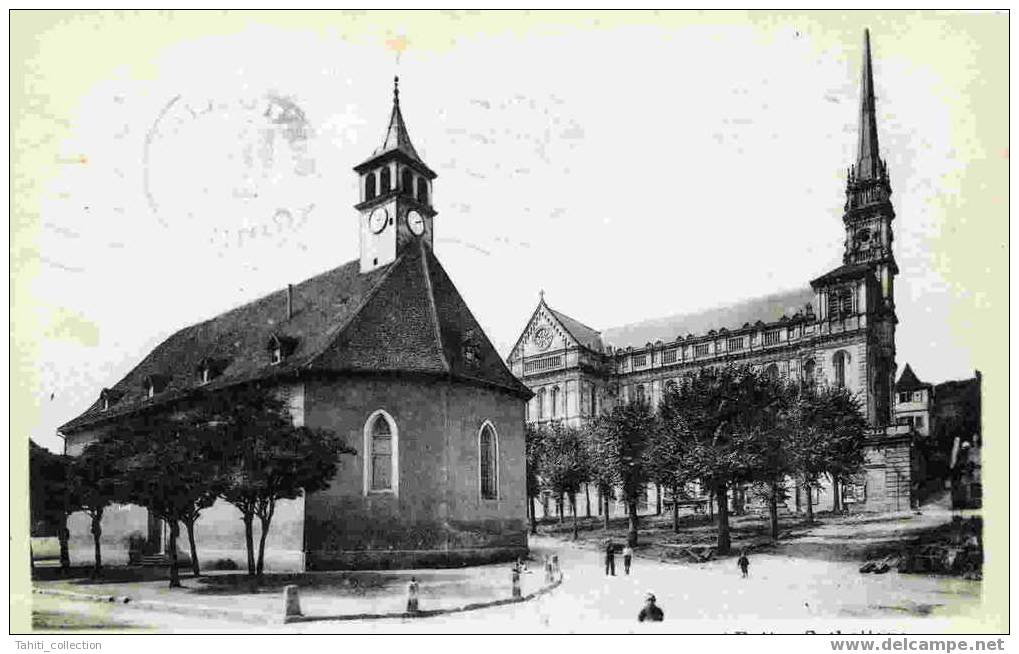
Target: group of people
{"points": [[651, 611]]}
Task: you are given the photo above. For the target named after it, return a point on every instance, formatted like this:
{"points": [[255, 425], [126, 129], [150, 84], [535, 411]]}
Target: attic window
{"points": [[280, 347], [209, 368], [153, 384], [108, 398]]}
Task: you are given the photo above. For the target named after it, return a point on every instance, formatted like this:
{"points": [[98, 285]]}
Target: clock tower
{"points": [[395, 207]]}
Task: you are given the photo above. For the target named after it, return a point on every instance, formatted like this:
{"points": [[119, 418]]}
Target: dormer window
{"points": [[107, 398], [153, 384], [280, 347], [209, 368]]}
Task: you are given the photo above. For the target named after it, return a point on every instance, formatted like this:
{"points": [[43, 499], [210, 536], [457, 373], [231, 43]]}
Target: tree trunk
{"points": [[724, 542], [560, 508], [711, 506], [675, 509], [174, 572], [587, 498], [195, 568], [266, 521], [658, 500], [835, 504], [573, 506], [250, 542], [810, 503], [63, 535], [631, 533], [605, 500], [797, 497], [534, 519], [97, 532], [773, 510]]}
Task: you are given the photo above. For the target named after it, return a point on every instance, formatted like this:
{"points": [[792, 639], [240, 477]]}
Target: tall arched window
{"points": [[369, 186], [839, 361], [407, 182], [641, 396], [808, 371], [381, 450], [771, 372], [384, 180], [488, 458], [554, 401], [422, 190], [541, 404]]}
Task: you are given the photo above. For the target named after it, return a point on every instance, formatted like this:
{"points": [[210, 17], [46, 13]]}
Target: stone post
{"points": [[515, 579], [291, 602]]}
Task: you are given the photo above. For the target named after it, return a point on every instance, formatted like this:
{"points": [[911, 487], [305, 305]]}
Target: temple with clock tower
{"points": [[381, 350], [839, 330]]}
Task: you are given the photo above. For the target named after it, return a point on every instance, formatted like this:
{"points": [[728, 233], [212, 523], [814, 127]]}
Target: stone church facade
{"points": [[382, 350], [839, 330]]}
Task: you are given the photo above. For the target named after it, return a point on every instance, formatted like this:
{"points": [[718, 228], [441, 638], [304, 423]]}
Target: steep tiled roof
{"points": [[405, 317], [768, 308], [586, 336], [908, 381]]}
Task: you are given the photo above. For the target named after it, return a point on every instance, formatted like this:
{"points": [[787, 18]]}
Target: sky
{"points": [[170, 166]]}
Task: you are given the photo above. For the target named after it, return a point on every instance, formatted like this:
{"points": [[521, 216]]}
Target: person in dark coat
{"points": [[651, 611], [744, 563], [610, 558]]}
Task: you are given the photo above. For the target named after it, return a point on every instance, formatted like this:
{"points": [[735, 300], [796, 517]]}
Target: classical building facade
{"points": [[839, 330], [382, 350]]}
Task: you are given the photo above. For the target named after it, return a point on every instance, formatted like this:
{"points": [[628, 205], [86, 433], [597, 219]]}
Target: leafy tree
{"points": [[92, 482], [666, 460], [170, 467], [268, 458], [766, 442], [534, 438], [50, 494], [828, 437], [715, 414], [563, 464], [618, 447]]}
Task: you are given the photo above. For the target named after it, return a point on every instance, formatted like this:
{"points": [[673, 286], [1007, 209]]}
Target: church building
{"points": [[839, 329], [381, 350]]}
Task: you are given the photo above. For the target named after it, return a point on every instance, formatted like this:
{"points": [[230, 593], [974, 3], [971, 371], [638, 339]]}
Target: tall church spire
{"points": [[397, 137], [868, 162]]}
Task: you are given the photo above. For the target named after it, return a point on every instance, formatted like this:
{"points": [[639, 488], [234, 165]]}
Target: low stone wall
{"points": [[410, 559]]}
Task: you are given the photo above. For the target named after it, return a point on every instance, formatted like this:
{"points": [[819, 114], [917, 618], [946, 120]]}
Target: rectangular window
{"points": [[790, 333], [701, 350], [639, 360], [918, 421], [918, 396], [903, 398], [669, 356], [772, 337], [735, 344]]}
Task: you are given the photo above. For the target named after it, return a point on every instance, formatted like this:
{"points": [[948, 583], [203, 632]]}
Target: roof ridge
{"points": [[566, 315], [434, 308]]}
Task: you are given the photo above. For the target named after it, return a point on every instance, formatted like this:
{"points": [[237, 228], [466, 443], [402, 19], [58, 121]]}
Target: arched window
{"points": [[554, 401], [422, 190], [369, 186], [808, 371], [407, 182], [541, 404], [384, 180], [839, 361], [381, 449], [771, 372], [488, 458]]}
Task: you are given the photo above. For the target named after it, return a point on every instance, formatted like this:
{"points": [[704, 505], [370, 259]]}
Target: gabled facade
{"points": [[381, 350], [839, 330]]}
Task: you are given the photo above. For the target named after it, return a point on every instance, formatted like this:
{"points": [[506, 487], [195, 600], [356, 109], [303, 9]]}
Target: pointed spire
{"points": [[868, 162], [397, 137]]}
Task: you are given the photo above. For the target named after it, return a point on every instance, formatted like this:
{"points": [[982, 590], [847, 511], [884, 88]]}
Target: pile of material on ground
{"points": [[956, 549]]}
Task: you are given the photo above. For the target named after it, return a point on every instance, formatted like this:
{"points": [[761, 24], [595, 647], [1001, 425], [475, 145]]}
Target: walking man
{"points": [[610, 558], [627, 557], [743, 562], [412, 596]]}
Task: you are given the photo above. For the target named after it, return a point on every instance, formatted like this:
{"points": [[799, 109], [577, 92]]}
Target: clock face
{"points": [[378, 220], [415, 223], [543, 338]]}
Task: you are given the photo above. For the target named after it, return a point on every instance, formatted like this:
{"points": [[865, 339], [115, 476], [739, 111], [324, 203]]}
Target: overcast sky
{"points": [[631, 166]]}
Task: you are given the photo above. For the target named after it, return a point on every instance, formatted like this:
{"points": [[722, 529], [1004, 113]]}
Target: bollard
{"points": [[515, 578], [291, 601], [412, 596], [555, 565]]}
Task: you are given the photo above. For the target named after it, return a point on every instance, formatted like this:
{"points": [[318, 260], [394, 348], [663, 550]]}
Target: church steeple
{"points": [[396, 195], [868, 162]]}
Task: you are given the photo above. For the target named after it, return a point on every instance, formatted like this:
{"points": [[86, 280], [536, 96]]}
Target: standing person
{"points": [[412, 595], [610, 558], [651, 611], [627, 557], [743, 562]]}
